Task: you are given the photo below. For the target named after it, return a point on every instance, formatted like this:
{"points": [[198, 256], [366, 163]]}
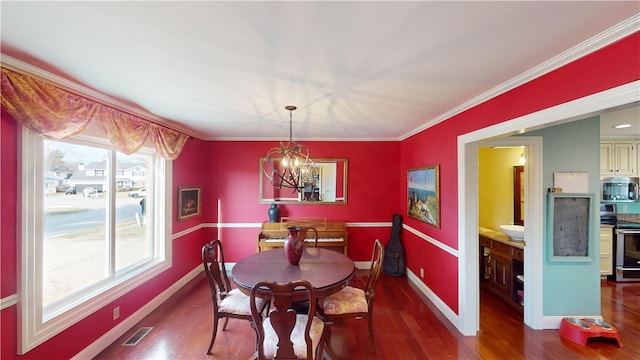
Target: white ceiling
{"points": [[356, 70], [628, 115]]}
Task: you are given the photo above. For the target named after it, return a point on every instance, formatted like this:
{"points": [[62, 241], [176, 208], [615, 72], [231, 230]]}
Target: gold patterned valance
{"points": [[58, 114]]}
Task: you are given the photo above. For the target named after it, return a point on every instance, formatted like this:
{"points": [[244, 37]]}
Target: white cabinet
{"points": [[606, 250], [637, 172], [606, 158], [618, 159]]}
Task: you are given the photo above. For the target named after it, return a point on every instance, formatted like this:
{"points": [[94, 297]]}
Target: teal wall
{"points": [[572, 288]]}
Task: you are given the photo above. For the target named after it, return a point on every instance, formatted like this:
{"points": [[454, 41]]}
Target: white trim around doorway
{"points": [[468, 283]]}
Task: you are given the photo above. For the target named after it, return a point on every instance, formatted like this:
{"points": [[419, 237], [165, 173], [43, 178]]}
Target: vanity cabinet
{"points": [[500, 265], [618, 159], [500, 282]]}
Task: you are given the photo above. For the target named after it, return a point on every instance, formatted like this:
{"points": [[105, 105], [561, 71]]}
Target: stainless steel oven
{"points": [[627, 254]]}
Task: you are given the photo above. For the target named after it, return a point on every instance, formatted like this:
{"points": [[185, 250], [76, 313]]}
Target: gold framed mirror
{"points": [[329, 185]]}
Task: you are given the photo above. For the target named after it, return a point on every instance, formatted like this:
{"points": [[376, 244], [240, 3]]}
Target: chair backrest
{"points": [[377, 258], [305, 230], [213, 262], [283, 317]]}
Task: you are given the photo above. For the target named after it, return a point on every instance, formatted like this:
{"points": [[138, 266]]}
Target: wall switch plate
{"points": [[116, 312], [421, 272]]}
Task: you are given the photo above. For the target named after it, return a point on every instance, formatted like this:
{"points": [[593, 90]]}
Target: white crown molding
{"points": [[301, 139], [597, 42]]}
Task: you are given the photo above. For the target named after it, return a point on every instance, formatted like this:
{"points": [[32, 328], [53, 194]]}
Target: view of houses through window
{"points": [[95, 216]]}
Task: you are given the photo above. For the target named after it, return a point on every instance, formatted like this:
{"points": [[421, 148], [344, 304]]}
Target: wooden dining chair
{"points": [[227, 302], [355, 303], [286, 334]]}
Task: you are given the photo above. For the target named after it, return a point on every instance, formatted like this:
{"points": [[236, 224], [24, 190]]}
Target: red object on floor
{"points": [[580, 330]]}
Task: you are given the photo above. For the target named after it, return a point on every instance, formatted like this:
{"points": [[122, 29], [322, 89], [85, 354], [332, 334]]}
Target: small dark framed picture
{"points": [[188, 202]]}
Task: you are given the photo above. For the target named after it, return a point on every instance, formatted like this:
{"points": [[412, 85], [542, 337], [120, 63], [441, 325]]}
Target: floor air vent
{"points": [[135, 339]]}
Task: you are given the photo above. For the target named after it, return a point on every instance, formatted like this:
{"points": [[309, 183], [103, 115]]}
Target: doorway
{"points": [[501, 166], [468, 262]]}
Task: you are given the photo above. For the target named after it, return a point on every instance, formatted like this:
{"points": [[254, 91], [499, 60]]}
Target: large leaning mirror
{"points": [[329, 185]]}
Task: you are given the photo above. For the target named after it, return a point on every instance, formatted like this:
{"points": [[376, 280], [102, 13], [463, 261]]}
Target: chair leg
{"points": [[320, 350], [373, 339], [224, 327], [255, 328], [327, 351], [213, 334]]}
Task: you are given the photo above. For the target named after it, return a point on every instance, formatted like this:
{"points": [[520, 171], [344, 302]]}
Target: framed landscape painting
{"points": [[423, 194]]}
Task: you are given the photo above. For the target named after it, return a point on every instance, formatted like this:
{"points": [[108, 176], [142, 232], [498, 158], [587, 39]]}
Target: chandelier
{"points": [[289, 166]]}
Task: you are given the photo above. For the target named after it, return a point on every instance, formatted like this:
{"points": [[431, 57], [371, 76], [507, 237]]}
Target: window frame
{"points": [[35, 327]]}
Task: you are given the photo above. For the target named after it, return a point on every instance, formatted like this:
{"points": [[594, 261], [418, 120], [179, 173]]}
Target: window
{"points": [[87, 242]]}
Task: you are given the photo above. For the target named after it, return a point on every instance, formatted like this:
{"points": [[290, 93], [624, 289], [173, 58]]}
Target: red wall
{"points": [[374, 185], [8, 201], [8, 243], [609, 67], [228, 171]]}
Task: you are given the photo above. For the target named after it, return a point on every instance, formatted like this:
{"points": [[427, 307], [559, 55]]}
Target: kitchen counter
{"points": [[498, 235], [629, 217]]}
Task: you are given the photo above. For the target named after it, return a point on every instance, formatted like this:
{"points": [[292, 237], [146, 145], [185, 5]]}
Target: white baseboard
{"points": [[548, 322], [112, 335], [440, 305]]}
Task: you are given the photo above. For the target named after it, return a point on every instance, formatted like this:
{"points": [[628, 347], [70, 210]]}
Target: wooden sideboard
{"points": [[331, 234]]}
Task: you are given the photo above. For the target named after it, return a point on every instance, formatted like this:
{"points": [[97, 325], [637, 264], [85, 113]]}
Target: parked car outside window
{"points": [[138, 193], [88, 191]]}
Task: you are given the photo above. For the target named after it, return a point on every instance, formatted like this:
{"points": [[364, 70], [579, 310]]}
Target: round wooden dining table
{"points": [[328, 271]]}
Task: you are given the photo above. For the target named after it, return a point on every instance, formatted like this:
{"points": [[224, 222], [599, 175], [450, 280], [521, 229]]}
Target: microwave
{"points": [[623, 189]]}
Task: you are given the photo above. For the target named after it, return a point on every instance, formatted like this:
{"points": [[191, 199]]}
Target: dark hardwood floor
{"points": [[407, 327]]}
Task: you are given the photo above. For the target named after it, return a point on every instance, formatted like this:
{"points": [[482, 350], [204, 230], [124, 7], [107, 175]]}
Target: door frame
{"points": [[467, 149]]}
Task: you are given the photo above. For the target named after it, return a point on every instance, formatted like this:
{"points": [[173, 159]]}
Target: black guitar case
{"points": [[394, 263]]}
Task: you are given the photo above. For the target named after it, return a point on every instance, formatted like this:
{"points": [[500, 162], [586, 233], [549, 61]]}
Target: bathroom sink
{"points": [[515, 232]]}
